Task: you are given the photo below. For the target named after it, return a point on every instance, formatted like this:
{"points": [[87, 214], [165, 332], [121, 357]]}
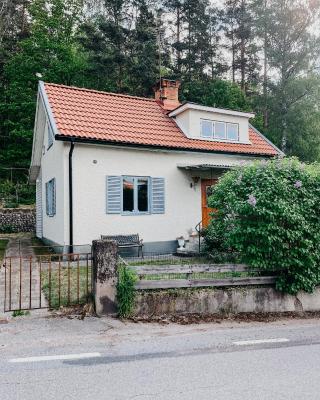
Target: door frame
{"points": [[205, 210]]}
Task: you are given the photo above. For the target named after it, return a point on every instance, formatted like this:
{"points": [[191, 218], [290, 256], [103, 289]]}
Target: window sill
{"points": [[221, 140], [134, 213]]}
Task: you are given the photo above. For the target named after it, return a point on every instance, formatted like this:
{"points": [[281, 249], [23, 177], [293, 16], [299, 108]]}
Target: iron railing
{"points": [[47, 281]]}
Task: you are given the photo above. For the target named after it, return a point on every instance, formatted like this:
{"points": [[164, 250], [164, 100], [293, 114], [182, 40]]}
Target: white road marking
{"points": [[54, 358], [259, 341]]}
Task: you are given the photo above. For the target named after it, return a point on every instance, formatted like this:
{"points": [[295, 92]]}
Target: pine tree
{"points": [[292, 52], [175, 32], [240, 32], [196, 42], [217, 63], [144, 60], [50, 52]]}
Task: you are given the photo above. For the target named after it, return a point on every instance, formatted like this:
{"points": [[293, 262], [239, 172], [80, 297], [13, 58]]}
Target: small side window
{"points": [[219, 130], [232, 131], [206, 129], [50, 136], [51, 198]]}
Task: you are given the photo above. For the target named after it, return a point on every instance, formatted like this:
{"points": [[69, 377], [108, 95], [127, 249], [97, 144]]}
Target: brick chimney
{"points": [[166, 92]]}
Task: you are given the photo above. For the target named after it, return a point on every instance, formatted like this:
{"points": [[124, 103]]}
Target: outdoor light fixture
{"points": [[195, 180]]}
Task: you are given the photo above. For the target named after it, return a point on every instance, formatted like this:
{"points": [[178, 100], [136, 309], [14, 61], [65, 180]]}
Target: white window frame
{"points": [[135, 195], [213, 137]]}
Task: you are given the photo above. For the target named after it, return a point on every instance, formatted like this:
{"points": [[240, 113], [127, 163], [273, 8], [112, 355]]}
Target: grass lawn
{"points": [[3, 246], [40, 248], [72, 287], [202, 275]]}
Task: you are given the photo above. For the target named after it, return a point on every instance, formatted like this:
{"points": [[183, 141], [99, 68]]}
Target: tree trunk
{"points": [[178, 39]]}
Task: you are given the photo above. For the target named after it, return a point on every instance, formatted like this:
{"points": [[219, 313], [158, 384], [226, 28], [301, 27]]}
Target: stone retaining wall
{"points": [[217, 301], [14, 220]]}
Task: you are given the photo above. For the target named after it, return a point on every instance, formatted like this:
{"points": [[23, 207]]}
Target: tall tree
{"points": [[292, 53], [50, 52], [196, 42], [144, 55], [175, 32], [240, 32]]}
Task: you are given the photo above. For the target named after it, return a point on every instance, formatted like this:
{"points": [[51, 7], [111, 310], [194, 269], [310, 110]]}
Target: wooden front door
{"points": [[205, 193]]}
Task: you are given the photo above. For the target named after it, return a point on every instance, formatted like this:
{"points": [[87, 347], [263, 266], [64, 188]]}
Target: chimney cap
{"points": [[167, 93], [164, 82]]}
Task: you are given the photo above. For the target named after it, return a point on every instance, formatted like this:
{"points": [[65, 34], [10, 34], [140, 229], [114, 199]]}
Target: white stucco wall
{"points": [[183, 204], [54, 165], [189, 122]]}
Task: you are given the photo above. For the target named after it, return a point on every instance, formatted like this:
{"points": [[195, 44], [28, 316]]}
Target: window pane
{"points": [[219, 130], [206, 129], [232, 132], [128, 194], [143, 194]]}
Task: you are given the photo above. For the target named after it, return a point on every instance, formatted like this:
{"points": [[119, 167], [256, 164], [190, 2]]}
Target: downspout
{"points": [[70, 198]]}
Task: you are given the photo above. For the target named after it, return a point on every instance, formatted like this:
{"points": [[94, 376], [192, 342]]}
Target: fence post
{"points": [[105, 276]]}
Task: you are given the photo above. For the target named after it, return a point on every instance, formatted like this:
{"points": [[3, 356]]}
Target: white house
{"points": [[106, 163]]}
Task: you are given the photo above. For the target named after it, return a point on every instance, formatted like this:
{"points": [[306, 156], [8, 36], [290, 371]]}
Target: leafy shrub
{"points": [[16, 193], [126, 291], [269, 212], [7, 229], [11, 204]]}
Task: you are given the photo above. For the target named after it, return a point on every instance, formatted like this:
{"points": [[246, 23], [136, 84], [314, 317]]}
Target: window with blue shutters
{"points": [[51, 198], [132, 195]]}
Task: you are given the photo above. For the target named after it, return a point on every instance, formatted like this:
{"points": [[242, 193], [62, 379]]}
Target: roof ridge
{"points": [[98, 91]]}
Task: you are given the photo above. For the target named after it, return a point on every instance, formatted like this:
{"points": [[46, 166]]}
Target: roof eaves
{"points": [[190, 105], [76, 139], [44, 96], [281, 153]]}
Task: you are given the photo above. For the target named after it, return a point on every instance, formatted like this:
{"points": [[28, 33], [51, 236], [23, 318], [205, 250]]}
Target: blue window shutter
{"points": [[53, 196], [113, 194], [47, 198], [158, 196]]}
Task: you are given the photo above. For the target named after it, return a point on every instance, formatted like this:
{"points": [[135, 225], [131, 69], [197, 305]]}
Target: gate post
{"points": [[105, 276]]}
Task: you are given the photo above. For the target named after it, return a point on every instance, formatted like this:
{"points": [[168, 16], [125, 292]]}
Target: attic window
{"points": [[219, 130]]}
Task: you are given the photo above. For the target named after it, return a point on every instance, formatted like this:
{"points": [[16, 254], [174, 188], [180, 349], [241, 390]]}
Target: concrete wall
{"points": [[215, 301], [17, 220], [91, 165]]}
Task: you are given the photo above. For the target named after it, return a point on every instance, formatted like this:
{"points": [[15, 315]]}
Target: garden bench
{"points": [[126, 241]]}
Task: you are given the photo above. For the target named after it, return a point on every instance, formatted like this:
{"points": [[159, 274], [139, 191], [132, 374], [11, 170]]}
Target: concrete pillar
{"points": [[105, 276]]}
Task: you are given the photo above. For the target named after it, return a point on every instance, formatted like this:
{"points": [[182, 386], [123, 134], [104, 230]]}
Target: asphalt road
{"points": [[105, 359]]}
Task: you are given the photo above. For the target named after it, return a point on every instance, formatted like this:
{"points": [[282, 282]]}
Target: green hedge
{"points": [[269, 212]]}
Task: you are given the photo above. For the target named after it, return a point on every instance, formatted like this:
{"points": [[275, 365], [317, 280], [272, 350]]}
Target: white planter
{"points": [[181, 244]]}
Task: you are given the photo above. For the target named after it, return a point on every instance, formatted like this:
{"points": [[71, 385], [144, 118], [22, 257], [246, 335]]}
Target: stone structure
{"points": [[14, 220], [219, 301], [105, 276]]}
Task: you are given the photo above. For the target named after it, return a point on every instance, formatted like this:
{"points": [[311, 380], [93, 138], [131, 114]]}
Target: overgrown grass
{"points": [[72, 287], [40, 249], [3, 246], [201, 275]]}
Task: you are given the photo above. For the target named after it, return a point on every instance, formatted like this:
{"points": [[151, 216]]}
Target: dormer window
{"points": [[219, 130]]}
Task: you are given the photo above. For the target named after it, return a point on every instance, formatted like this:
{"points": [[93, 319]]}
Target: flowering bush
{"points": [[269, 212]]}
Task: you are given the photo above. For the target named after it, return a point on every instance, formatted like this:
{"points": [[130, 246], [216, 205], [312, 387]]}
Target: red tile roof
{"points": [[100, 116]]}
